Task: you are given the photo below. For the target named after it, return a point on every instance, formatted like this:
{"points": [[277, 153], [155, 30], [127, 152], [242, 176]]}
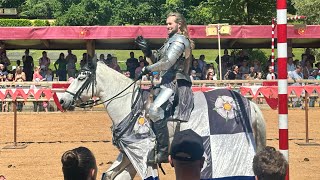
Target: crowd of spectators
{"points": [[237, 65]]}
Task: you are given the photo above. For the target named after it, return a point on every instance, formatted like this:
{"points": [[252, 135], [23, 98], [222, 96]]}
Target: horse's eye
{"points": [[82, 75]]}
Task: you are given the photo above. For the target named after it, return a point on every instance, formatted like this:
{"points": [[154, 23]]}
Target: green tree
{"points": [[309, 9], [136, 12], [86, 13], [47, 9], [233, 12], [11, 3]]}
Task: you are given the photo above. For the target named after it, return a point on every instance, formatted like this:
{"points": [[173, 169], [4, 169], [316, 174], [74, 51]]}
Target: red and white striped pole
{"points": [[272, 45], [282, 82]]}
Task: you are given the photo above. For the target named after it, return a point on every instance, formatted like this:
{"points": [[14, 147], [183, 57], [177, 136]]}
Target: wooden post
{"points": [[15, 123], [306, 109], [306, 104], [91, 45], [15, 144]]}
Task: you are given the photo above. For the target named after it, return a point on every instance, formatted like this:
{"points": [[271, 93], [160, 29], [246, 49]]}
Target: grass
{"points": [[123, 55]]}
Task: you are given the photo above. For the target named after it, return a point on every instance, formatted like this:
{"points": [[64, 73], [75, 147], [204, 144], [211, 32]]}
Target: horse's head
{"points": [[82, 88]]}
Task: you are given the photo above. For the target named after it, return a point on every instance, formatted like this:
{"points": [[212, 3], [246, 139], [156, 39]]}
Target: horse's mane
{"points": [[112, 76]]}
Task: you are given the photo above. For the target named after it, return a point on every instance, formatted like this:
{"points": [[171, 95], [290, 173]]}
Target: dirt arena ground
{"points": [[48, 135]]}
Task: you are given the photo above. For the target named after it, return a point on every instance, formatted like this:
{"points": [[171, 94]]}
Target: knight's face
{"points": [[172, 26]]}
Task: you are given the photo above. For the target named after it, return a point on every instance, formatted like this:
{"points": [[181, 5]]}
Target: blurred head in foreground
{"points": [[79, 164], [270, 164]]}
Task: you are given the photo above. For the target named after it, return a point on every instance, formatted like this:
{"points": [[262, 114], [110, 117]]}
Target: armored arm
{"points": [[171, 56]]}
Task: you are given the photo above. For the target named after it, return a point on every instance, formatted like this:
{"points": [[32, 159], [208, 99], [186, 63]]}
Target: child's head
{"points": [[37, 69], [49, 72], [10, 77]]}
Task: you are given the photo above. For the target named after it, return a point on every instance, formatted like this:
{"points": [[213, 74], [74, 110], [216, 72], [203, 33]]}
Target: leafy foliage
{"points": [[39, 22], [15, 22], [86, 13], [309, 9], [153, 12], [47, 9]]}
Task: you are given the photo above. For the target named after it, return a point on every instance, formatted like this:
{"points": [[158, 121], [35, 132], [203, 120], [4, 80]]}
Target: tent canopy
{"points": [[122, 37]]}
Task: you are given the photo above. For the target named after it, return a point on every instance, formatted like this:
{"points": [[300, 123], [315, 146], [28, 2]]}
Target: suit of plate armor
{"points": [[171, 60]]}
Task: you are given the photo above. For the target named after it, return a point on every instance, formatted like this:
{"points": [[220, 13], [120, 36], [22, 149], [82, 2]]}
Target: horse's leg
{"points": [[121, 169], [259, 126]]}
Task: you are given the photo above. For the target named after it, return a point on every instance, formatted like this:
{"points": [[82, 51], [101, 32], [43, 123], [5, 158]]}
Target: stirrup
{"points": [[158, 158]]}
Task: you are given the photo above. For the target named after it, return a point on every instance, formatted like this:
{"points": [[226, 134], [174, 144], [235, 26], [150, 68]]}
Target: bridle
{"points": [[90, 80], [90, 74]]}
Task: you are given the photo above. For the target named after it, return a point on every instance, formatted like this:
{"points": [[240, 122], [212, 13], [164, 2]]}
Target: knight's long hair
{"points": [[183, 26]]}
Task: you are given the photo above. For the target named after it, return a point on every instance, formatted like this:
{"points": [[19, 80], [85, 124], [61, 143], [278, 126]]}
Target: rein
{"points": [[92, 80]]}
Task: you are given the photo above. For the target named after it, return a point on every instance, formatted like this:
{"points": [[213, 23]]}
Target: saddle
{"points": [[177, 108]]}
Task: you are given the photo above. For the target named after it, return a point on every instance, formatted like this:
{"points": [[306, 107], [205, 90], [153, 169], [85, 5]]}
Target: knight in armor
{"points": [[173, 61]]}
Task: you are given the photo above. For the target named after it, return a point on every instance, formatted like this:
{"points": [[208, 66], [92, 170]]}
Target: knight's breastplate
{"points": [[177, 69]]}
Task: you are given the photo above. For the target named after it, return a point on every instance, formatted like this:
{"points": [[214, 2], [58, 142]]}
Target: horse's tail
{"points": [[259, 127]]}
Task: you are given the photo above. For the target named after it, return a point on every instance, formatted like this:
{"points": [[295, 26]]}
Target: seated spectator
{"points": [[101, 58], [193, 75], [36, 75], [270, 75], [233, 74], [195, 66], [186, 155], [141, 58], [10, 78], [139, 69], [244, 69], [49, 75], [127, 74], [270, 164], [259, 76], [252, 72], [296, 75], [156, 77], [14, 68], [211, 76], [108, 61], [114, 64], [20, 76], [210, 68], [3, 73], [79, 164], [318, 71]]}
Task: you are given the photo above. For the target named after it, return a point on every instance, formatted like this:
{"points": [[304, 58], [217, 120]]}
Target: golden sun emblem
{"points": [[141, 120]]}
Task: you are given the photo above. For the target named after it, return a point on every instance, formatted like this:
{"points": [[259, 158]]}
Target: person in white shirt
{"points": [[270, 75]]}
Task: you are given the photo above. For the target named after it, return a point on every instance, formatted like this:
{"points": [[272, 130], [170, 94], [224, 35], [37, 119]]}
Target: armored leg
{"points": [[156, 114]]}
